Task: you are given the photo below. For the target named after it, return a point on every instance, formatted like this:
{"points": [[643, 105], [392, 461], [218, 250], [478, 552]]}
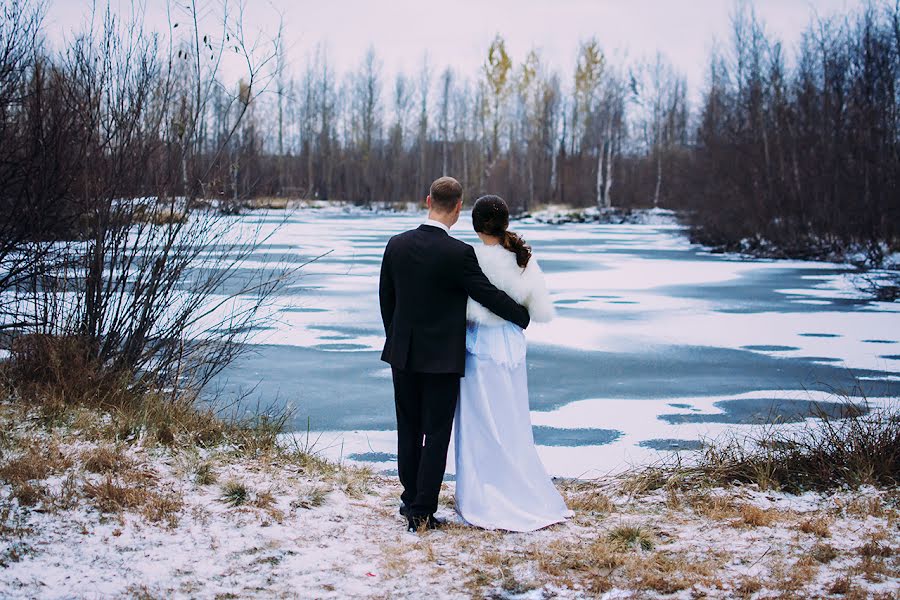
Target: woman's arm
{"points": [[539, 303], [485, 293]]}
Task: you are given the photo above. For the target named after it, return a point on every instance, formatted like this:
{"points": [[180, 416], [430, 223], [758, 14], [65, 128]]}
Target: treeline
{"points": [[787, 152], [781, 154], [799, 160], [513, 128]]}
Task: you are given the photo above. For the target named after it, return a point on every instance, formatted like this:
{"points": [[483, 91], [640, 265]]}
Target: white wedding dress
{"points": [[500, 480]]}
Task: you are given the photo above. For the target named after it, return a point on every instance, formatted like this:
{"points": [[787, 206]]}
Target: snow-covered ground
{"points": [[307, 532]]}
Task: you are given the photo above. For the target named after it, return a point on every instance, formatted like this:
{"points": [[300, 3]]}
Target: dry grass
{"points": [[748, 586], [823, 553], [817, 525], [355, 482], [70, 389], [114, 496], [712, 506], [27, 493], [264, 500], [632, 537], [593, 502], [105, 459], [39, 460], [311, 496], [205, 474], [802, 574], [875, 549], [867, 506], [754, 516], [235, 493], [861, 445], [565, 561], [660, 573], [67, 497]]}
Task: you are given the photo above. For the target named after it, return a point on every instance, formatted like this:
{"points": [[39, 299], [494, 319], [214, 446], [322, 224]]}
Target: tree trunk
{"points": [[658, 178]]}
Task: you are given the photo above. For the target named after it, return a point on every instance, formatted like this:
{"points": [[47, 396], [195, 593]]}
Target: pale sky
{"points": [[458, 33]]}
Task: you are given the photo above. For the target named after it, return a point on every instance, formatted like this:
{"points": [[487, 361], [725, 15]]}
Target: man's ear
{"points": [[459, 206], [428, 201]]}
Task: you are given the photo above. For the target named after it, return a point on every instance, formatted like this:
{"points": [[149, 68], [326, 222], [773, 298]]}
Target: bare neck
{"points": [[445, 218], [489, 240]]}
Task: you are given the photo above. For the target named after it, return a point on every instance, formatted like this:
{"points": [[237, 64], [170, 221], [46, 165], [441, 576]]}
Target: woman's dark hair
{"points": [[490, 216]]}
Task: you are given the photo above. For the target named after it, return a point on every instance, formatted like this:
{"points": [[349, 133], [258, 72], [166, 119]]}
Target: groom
{"points": [[426, 280]]}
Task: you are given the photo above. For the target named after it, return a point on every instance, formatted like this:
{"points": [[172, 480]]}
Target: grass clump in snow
{"points": [[861, 446], [104, 459], [311, 496], [628, 537], [113, 495], [205, 474], [235, 493]]}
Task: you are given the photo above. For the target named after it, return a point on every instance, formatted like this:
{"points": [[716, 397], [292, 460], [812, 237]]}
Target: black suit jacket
{"points": [[427, 278]]}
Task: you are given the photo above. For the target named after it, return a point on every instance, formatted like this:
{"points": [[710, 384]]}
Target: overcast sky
{"points": [[458, 33]]}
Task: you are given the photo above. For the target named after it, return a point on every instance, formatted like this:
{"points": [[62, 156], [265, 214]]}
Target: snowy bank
{"points": [[559, 215], [109, 520]]}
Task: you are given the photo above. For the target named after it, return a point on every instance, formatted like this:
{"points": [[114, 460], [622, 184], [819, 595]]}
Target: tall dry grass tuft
{"points": [[632, 537], [113, 495], [235, 493], [37, 461], [858, 447], [57, 376]]}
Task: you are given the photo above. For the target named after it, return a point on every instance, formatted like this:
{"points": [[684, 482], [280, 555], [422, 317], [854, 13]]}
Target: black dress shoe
{"points": [[428, 522], [404, 510]]}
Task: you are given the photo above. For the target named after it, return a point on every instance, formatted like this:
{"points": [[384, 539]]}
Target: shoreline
{"points": [[557, 215]]}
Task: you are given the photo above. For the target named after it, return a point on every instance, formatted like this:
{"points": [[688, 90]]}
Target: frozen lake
{"points": [[658, 343]]}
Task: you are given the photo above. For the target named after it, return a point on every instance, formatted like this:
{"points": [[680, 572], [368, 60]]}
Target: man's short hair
{"points": [[445, 193]]}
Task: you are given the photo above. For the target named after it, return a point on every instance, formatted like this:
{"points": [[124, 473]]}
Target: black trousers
{"points": [[426, 403]]}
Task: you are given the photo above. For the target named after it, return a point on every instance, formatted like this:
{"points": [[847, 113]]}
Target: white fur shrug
{"points": [[525, 286]]}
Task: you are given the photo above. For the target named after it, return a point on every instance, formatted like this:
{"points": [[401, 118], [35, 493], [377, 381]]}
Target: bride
{"points": [[500, 480]]}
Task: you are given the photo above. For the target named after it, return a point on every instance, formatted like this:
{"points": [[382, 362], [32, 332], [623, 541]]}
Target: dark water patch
{"points": [[671, 444], [301, 309], [561, 265], [603, 296], [770, 348], [559, 375], [559, 436], [336, 337], [603, 313], [682, 405], [622, 302], [891, 356], [334, 347], [566, 302], [757, 291], [347, 330], [346, 391], [373, 457], [245, 329], [879, 341], [766, 411], [821, 335]]}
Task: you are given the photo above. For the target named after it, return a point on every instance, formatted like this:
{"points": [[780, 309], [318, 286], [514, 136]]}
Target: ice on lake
{"points": [[649, 327]]}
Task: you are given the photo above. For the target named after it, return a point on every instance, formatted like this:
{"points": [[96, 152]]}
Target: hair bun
{"points": [[490, 216]]}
